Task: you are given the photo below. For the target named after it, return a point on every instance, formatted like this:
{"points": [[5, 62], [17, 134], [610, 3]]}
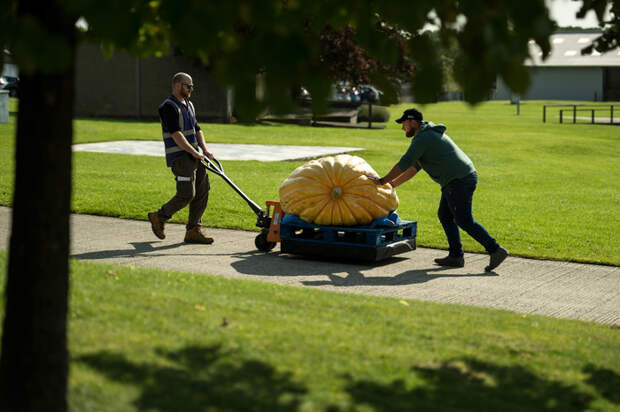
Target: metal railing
{"points": [[575, 108]]}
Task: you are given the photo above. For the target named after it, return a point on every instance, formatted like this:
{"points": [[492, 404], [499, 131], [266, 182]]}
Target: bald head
{"points": [[182, 85], [181, 78]]}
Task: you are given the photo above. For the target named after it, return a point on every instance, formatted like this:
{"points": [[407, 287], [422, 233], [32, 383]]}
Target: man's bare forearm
{"points": [[403, 177], [182, 142], [203, 144], [393, 173]]}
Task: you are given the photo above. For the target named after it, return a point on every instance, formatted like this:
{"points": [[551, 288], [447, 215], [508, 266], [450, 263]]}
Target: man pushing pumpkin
{"points": [[433, 150]]}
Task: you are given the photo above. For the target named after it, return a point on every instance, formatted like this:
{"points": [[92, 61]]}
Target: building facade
{"points": [[566, 74], [126, 86]]}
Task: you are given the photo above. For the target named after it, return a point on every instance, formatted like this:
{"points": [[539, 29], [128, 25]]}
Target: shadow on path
{"points": [[340, 273], [140, 248], [410, 277]]}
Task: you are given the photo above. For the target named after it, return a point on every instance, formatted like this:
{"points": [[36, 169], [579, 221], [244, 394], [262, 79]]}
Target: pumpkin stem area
{"points": [[336, 192]]}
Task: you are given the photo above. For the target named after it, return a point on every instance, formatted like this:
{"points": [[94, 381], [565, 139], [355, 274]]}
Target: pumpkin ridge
{"points": [[336, 213], [367, 216], [331, 178], [345, 205], [346, 183], [335, 191], [314, 178], [319, 197], [374, 201], [318, 212]]}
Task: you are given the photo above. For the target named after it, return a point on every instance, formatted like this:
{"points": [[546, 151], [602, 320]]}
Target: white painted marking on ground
{"points": [[221, 151]]}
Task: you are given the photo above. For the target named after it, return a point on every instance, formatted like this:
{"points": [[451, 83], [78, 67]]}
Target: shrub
{"points": [[379, 113]]}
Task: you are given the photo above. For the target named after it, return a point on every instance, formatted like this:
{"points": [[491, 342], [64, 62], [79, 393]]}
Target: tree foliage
{"points": [[311, 42], [346, 60], [610, 38]]}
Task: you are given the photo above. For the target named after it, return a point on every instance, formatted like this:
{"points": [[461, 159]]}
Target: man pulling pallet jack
{"points": [[185, 149]]}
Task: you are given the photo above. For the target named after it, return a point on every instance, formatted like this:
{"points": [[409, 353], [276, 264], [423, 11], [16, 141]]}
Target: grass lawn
{"points": [[546, 190], [143, 339]]}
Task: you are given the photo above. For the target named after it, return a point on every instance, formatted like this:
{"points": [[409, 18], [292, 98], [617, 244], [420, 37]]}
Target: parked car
{"points": [[343, 93], [11, 84], [370, 94]]}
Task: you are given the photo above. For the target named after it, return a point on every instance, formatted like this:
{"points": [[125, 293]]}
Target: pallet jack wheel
{"points": [[261, 241]]}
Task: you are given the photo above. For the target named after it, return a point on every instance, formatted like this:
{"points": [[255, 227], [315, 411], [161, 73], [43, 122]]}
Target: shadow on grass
{"points": [[197, 378], [606, 382], [470, 385]]}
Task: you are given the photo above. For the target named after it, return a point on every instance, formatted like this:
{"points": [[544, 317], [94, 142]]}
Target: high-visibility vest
{"points": [[187, 124]]}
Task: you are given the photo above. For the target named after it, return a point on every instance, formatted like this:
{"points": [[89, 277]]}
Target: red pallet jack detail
{"points": [[274, 228]]}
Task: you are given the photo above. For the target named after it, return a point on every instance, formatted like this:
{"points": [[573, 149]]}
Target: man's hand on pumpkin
{"points": [[376, 179]]}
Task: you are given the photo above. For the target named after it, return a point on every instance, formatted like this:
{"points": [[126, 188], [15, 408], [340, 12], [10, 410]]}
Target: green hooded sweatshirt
{"points": [[433, 150]]}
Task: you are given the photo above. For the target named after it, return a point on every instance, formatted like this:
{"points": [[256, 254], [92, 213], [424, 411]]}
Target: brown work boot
{"points": [[157, 225], [194, 235]]}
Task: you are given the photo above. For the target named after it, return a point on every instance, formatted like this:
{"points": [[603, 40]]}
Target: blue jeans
{"points": [[455, 210]]}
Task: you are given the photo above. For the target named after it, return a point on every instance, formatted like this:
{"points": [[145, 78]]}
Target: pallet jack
{"points": [[364, 243]]}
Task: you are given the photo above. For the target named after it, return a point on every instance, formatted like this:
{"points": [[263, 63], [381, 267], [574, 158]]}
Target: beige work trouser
{"points": [[192, 188]]}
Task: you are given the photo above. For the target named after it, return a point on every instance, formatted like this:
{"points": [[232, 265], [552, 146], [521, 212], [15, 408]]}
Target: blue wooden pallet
{"points": [[364, 243]]}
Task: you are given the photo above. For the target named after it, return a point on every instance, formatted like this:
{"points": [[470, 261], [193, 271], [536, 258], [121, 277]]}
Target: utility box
{"points": [[4, 106]]}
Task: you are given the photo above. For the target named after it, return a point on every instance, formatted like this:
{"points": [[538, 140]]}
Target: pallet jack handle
{"points": [[213, 165]]}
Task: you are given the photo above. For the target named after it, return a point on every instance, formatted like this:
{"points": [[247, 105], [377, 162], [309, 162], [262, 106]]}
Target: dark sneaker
{"points": [[497, 258], [157, 225], [452, 261], [194, 235]]}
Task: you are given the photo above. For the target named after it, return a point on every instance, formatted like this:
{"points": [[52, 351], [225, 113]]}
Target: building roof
{"points": [[566, 52]]}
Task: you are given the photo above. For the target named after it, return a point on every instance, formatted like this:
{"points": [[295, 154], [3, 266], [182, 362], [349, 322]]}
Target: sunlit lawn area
{"points": [[546, 190], [144, 339]]}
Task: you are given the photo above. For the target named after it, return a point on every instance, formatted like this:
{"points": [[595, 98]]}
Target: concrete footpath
{"points": [[552, 288]]}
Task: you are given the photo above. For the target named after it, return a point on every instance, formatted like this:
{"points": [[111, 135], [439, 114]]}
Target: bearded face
{"points": [[183, 89], [185, 92], [410, 127]]}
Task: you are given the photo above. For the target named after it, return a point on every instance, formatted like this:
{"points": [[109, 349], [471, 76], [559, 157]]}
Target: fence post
{"points": [[574, 113], [611, 117], [561, 112], [544, 113], [4, 106], [593, 116]]}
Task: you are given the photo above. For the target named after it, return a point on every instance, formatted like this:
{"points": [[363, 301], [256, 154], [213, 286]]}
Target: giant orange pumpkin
{"points": [[334, 190]]}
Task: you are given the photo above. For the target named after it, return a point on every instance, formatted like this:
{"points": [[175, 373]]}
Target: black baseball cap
{"points": [[413, 114]]}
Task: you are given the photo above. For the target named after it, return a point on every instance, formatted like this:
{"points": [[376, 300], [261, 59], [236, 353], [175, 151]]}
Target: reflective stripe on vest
{"points": [[186, 133], [172, 150], [175, 149]]}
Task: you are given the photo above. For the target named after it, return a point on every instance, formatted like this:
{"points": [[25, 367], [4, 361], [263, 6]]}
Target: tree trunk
{"points": [[34, 360]]}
